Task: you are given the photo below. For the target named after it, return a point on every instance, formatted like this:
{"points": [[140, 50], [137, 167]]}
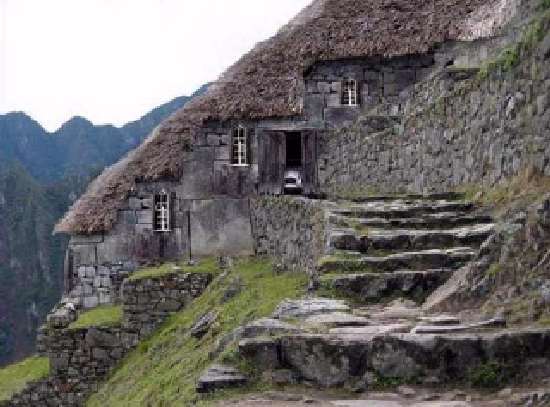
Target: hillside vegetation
{"points": [[14, 378], [163, 370]]}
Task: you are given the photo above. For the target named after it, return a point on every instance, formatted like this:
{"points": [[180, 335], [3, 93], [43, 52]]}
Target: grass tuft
{"points": [[206, 265], [163, 370], [15, 377], [103, 316]]}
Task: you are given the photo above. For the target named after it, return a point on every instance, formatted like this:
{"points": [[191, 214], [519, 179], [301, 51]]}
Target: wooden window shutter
{"points": [[250, 133], [172, 207]]}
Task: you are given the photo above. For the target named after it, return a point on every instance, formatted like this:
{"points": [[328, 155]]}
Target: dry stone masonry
{"points": [[80, 359]]}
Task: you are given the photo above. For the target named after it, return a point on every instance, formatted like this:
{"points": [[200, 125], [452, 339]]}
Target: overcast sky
{"points": [[113, 60]]}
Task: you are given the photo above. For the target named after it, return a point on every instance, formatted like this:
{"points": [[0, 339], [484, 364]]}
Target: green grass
{"points": [[163, 370], [104, 316], [206, 265], [15, 377]]}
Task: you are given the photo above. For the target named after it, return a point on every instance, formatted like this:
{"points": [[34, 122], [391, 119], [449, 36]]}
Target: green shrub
{"points": [[488, 375]]}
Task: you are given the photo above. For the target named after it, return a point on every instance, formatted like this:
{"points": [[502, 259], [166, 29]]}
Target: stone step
{"points": [[331, 360], [447, 196], [219, 377], [373, 287], [401, 209], [414, 260], [409, 239], [449, 328], [428, 221]]}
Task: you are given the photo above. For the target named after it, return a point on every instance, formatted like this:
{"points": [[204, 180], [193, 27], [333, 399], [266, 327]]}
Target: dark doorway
{"points": [[293, 150]]}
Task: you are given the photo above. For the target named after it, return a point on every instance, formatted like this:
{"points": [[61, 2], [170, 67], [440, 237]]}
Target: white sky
{"points": [[111, 61]]}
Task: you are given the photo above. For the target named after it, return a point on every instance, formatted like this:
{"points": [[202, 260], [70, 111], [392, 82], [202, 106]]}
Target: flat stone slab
{"points": [[427, 221], [307, 307], [337, 319], [268, 327], [413, 260], [443, 329], [402, 209], [409, 239], [372, 330], [220, 377]]}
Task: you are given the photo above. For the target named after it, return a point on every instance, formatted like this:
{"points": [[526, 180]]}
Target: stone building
{"points": [[187, 191]]}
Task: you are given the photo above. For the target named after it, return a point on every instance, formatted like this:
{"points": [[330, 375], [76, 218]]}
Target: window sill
{"points": [[240, 165], [162, 231]]}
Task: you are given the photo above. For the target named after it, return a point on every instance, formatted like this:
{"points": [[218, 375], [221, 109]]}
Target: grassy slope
{"points": [[13, 378], [164, 369], [104, 316]]}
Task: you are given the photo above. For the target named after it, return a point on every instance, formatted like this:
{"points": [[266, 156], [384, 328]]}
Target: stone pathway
{"points": [[404, 397], [388, 256]]}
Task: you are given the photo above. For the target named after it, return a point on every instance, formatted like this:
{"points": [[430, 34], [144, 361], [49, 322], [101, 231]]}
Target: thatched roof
{"points": [[267, 82]]}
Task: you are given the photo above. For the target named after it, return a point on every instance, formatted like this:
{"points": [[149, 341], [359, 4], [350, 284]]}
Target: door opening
{"points": [[293, 150], [294, 164]]}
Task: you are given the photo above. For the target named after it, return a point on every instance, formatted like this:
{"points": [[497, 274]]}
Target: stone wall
{"points": [[148, 302], [290, 229], [457, 128], [97, 265], [81, 358]]}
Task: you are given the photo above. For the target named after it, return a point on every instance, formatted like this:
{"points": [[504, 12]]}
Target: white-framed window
{"points": [[349, 92], [239, 147], [161, 212]]}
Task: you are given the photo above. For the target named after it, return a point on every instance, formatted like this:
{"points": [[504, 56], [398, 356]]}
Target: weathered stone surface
{"points": [[264, 352], [427, 221], [336, 319], [376, 286], [414, 260], [449, 328], [220, 377], [290, 229], [372, 330], [410, 239], [325, 361], [402, 209], [309, 307], [268, 327]]}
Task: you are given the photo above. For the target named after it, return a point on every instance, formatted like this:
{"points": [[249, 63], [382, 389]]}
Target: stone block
{"points": [[91, 302], [213, 139], [144, 217], [223, 154], [334, 100]]}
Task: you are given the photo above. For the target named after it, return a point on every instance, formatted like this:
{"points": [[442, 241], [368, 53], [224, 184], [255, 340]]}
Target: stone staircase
{"points": [[384, 257], [407, 247]]}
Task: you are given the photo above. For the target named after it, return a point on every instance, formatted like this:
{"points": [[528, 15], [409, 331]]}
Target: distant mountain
{"points": [[78, 146], [41, 174]]}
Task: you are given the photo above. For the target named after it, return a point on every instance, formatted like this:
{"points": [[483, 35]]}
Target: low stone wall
{"points": [[290, 229], [456, 129], [81, 358], [148, 302]]}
